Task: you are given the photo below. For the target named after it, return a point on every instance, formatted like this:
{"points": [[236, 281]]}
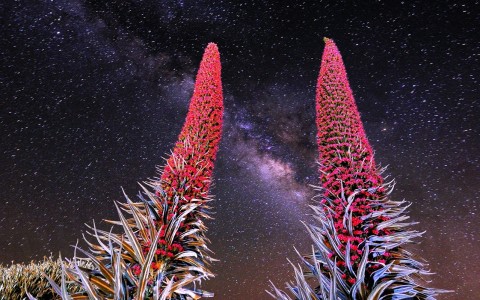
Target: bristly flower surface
{"points": [[202, 130], [358, 240], [161, 251]]}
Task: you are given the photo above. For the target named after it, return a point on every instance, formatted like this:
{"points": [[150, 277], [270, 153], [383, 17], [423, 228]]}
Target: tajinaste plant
{"points": [[359, 236], [161, 251]]}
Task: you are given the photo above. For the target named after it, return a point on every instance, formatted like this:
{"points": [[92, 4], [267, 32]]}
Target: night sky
{"points": [[94, 93]]}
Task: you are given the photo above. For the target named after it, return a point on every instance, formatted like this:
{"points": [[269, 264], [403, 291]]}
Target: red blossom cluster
{"points": [[358, 240], [187, 174], [163, 252], [202, 130], [347, 165]]}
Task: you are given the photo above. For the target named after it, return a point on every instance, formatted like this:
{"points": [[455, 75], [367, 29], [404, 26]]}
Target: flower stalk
{"points": [[360, 233], [161, 251]]}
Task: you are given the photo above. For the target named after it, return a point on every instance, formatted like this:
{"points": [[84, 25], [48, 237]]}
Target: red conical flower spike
{"points": [[162, 252], [358, 242], [198, 142], [186, 177], [340, 130], [346, 159]]}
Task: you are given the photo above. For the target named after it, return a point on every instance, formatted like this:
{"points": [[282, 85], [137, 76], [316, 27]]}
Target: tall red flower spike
{"points": [[198, 142], [348, 172], [345, 154], [358, 242], [162, 252]]}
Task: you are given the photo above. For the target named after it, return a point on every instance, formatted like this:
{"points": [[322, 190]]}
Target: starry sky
{"points": [[94, 93]]}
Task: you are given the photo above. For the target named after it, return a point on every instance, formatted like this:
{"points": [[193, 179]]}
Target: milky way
{"points": [[94, 93]]}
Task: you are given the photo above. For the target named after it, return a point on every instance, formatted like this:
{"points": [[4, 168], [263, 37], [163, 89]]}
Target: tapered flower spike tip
{"points": [[212, 47], [339, 124], [198, 141]]}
